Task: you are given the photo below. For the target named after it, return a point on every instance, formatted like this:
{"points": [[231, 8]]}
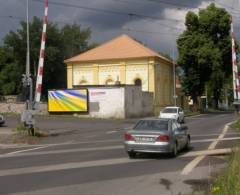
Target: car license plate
{"points": [[145, 139]]}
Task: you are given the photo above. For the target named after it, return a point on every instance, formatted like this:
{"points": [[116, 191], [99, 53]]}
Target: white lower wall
{"points": [[106, 102]]}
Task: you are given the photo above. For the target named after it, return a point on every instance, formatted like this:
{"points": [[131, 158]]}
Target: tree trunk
{"points": [[195, 104], [216, 98]]}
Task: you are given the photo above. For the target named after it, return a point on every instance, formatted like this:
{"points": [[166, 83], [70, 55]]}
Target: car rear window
{"points": [[170, 110], [152, 125]]}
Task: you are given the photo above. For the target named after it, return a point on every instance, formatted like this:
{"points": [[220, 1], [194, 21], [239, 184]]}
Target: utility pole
{"points": [[27, 116], [174, 78]]}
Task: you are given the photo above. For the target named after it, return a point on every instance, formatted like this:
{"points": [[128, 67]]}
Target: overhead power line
{"points": [[227, 6], [127, 29], [23, 19], [172, 4], [12, 17], [111, 12], [125, 1], [148, 32], [177, 5]]}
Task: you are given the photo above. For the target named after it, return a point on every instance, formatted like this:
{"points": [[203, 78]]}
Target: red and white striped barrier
{"points": [[41, 56], [236, 86]]}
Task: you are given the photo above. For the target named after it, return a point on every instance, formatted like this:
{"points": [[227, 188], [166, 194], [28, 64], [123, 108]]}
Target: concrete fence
{"points": [[7, 107]]}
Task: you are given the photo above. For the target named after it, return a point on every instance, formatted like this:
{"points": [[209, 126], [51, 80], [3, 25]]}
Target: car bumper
{"points": [[159, 147], [168, 117], [2, 122]]}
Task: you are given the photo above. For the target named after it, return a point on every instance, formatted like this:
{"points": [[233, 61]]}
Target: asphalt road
{"points": [[86, 156]]}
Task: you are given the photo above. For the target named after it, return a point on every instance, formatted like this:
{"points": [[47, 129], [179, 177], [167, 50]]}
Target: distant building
{"points": [[123, 60]]}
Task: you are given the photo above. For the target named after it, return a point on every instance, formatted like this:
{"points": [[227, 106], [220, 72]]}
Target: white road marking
{"points": [[111, 132], [14, 154], [212, 134], [91, 149], [64, 143], [214, 140], [28, 152], [67, 166], [209, 152], [21, 151], [190, 166], [13, 146], [214, 144]]}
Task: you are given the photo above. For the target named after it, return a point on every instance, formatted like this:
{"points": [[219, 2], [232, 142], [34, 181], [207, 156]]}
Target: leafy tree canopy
{"points": [[205, 51], [61, 44]]}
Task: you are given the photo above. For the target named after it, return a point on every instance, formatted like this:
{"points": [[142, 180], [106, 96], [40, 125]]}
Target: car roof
{"points": [[157, 119], [172, 107]]}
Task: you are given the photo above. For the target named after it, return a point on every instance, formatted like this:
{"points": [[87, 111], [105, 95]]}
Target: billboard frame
{"points": [[69, 112]]}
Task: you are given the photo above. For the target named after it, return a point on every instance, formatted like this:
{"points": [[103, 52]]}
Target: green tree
{"points": [[61, 43], [9, 73], [74, 39], [205, 51]]}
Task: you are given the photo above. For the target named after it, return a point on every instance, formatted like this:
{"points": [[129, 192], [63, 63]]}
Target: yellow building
{"points": [[123, 60]]}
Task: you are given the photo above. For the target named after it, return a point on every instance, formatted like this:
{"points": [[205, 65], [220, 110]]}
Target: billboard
{"points": [[68, 100]]}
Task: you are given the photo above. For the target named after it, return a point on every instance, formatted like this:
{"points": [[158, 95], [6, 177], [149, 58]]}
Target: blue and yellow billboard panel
{"points": [[68, 100]]}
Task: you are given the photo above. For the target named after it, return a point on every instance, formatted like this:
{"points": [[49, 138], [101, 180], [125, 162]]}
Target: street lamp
{"points": [[27, 115], [174, 78]]}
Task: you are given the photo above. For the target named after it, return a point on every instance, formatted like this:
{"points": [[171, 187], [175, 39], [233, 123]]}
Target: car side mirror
{"points": [[184, 128], [127, 128]]}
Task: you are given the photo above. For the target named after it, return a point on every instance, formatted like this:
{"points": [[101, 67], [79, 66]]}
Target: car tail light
{"points": [[163, 138], [128, 137]]}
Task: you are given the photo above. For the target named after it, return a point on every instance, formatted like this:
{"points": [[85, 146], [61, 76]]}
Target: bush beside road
{"points": [[229, 181]]}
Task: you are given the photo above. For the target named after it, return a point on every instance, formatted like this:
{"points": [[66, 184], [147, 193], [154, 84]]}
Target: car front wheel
{"points": [[132, 154]]}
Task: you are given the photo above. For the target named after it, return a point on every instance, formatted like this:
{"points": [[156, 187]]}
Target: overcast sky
{"points": [[158, 30]]}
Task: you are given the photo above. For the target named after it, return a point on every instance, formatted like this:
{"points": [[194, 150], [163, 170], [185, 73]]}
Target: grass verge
{"points": [[189, 113], [229, 182], [21, 129]]}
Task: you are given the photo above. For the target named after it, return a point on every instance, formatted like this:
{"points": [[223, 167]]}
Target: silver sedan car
{"points": [[156, 136], [2, 121]]}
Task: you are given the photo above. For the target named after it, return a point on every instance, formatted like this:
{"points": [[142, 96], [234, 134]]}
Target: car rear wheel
{"points": [[132, 154], [187, 144], [183, 120], [174, 151], [178, 120]]}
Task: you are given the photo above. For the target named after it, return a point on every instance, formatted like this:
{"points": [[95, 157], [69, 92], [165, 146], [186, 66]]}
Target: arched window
{"points": [[83, 82], [138, 82], [109, 82]]}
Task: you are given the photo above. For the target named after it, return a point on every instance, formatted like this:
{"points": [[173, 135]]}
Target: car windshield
{"points": [[170, 110], [152, 125]]}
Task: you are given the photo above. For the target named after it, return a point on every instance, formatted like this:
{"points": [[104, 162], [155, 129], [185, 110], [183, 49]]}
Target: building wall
{"points": [[164, 85], [125, 71], [155, 75], [69, 76], [133, 101]]}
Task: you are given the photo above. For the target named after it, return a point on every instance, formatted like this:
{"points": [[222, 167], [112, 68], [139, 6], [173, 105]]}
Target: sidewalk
{"points": [[11, 138], [6, 136]]}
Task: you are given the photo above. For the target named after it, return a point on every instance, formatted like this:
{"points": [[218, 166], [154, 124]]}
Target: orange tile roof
{"points": [[121, 47]]}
